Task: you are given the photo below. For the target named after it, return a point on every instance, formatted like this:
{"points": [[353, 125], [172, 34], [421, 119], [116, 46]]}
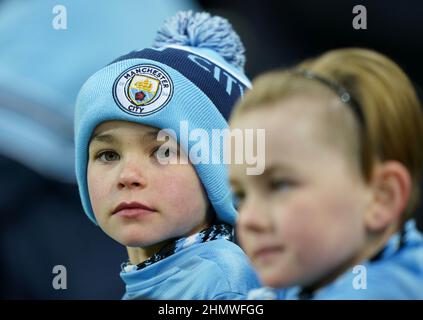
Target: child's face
{"points": [[302, 219], [123, 168]]}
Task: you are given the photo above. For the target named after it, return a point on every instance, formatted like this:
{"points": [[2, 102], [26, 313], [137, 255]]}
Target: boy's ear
{"points": [[391, 187]]}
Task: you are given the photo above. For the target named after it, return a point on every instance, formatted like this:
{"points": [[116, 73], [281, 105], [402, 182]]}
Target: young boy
{"points": [[330, 217], [174, 217]]}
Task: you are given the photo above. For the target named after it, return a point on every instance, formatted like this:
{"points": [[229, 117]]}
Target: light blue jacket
{"points": [[216, 269]]}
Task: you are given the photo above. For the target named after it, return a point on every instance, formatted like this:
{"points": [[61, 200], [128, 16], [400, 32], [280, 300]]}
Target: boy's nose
{"points": [[131, 176]]}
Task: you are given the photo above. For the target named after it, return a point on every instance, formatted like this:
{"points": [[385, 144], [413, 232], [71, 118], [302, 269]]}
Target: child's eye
{"points": [[280, 184], [238, 198], [107, 156], [164, 153]]}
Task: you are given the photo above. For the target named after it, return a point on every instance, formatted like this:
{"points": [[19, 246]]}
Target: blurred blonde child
{"points": [[331, 215]]}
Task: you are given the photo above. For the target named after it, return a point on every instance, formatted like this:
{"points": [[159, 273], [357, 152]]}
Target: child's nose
{"points": [[132, 176], [253, 217]]}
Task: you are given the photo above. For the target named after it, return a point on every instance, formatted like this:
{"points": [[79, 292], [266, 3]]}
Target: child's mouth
{"points": [[267, 253], [132, 210]]}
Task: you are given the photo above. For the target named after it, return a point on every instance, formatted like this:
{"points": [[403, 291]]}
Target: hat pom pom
{"points": [[203, 31]]}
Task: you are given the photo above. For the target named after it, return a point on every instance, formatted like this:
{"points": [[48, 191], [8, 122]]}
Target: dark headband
{"points": [[343, 94]]}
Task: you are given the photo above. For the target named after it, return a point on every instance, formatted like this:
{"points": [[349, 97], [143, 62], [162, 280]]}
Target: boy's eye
{"points": [[164, 153], [108, 156]]}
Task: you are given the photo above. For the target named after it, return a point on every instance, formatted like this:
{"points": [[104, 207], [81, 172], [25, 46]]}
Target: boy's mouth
{"points": [[132, 209]]}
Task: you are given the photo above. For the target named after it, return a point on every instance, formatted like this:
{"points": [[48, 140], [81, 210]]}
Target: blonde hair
{"points": [[392, 114]]}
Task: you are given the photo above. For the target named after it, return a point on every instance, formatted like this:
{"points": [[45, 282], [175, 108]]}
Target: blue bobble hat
{"points": [[193, 72]]}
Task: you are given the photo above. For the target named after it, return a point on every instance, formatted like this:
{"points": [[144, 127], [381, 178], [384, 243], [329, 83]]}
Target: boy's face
{"points": [[123, 167], [302, 219]]}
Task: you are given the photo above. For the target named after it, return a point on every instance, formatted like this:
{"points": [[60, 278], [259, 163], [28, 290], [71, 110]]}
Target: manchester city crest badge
{"points": [[142, 90]]}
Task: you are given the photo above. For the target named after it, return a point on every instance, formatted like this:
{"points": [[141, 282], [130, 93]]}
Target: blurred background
{"points": [[42, 69]]}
